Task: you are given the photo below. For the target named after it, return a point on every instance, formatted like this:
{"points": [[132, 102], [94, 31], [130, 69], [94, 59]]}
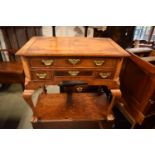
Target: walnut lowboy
{"points": [[49, 60]]}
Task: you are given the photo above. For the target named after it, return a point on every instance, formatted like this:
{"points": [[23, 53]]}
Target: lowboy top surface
{"points": [[71, 46]]}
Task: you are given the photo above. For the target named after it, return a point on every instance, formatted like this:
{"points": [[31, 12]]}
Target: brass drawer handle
{"points": [[99, 62], [74, 61], [73, 73], [151, 101], [79, 89], [47, 62], [105, 75], [41, 75]]}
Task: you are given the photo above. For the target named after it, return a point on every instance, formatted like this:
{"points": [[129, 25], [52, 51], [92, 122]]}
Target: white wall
{"points": [[68, 31]]}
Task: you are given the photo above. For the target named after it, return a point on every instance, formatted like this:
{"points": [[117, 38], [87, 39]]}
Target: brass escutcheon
{"points": [[74, 61], [151, 101], [41, 75], [73, 73], [47, 62], [79, 89], [99, 62], [105, 75]]}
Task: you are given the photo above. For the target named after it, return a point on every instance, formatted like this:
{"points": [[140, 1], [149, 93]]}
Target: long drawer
{"points": [[50, 62], [71, 74]]}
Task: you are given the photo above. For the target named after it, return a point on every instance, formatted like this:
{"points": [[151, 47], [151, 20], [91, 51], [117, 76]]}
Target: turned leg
{"points": [[116, 93]]}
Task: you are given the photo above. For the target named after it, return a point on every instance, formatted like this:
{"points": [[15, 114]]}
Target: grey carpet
{"points": [[14, 112]]}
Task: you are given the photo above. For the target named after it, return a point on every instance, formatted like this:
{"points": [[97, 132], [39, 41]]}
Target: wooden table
{"points": [[11, 72], [51, 60]]}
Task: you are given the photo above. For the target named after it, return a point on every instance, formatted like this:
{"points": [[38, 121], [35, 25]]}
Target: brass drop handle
{"points": [[73, 73], [48, 62], [105, 75], [79, 89], [74, 61], [41, 75], [151, 101], [99, 62]]}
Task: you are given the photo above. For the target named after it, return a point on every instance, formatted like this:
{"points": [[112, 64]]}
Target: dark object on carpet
{"points": [[120, 121]]}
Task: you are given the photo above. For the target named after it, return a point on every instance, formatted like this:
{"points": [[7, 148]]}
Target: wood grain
{"points": [[86, 106], [71, 46]]}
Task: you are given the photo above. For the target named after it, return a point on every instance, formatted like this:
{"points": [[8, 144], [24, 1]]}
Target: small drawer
{"points": [[86, 62], [41, 75], [50, 62], [45, 62]]}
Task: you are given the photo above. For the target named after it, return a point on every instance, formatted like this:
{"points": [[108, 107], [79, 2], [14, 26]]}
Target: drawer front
{"points": [[97, 74], [50, 62], [71, 74], [41, 75], [91, 77]]}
